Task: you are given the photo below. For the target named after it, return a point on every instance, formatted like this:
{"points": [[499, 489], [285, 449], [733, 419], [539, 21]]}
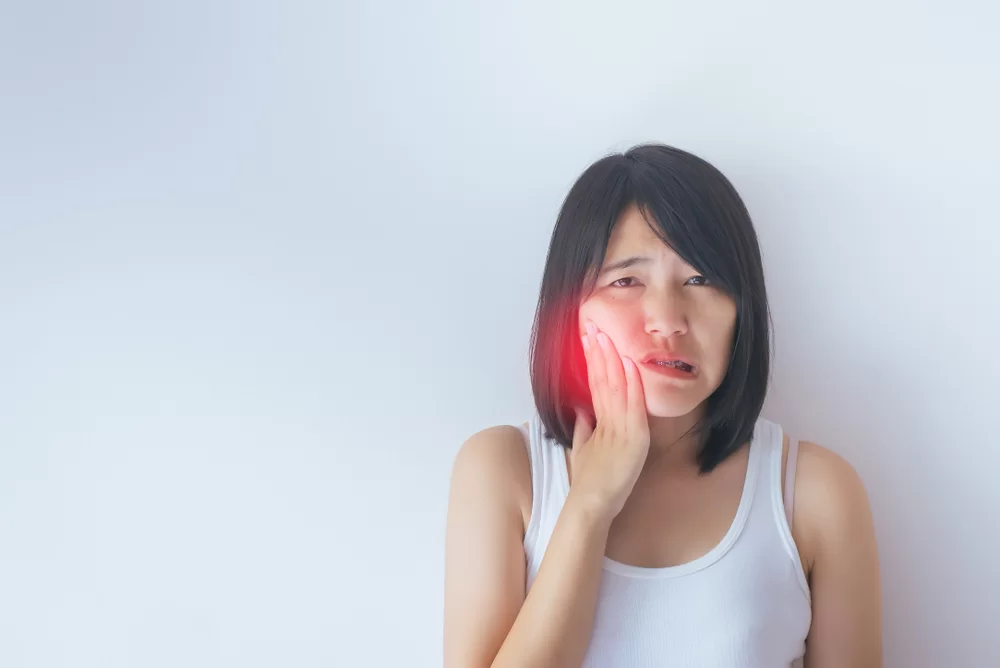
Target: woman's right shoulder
{"points": [[494, 462]]}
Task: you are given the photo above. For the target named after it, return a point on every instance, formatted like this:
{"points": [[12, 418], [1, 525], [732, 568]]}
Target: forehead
{"points": [[633, 235]]}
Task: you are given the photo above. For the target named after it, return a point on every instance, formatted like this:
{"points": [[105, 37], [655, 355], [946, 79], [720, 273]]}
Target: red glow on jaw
{"points": [[573, 384]]}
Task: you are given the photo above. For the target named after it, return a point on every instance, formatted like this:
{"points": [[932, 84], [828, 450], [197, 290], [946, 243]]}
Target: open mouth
{"points": [[672, 364]]}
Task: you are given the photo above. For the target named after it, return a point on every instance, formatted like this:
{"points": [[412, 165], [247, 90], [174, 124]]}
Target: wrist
{"points": [[590, 512]]}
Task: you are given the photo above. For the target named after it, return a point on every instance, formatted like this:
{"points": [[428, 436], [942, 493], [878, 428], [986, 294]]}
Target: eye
{"points": [[702, 280], [617, 284]]}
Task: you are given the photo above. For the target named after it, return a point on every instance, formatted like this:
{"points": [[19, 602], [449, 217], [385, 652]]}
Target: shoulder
{"points": [[485, 567], [843, 562], [493, 463], [831, 503]]}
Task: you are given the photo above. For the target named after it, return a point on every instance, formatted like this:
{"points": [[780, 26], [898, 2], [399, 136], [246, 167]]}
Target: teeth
{"points": [[674, 363]]}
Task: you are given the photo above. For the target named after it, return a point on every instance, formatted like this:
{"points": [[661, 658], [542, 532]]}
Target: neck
{"points": [[673, 440]]}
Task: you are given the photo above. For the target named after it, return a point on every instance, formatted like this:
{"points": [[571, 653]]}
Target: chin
{"points": [[674, 406]]}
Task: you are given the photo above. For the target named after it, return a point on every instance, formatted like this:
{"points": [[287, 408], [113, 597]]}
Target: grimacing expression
{"points": [[647, 299]]}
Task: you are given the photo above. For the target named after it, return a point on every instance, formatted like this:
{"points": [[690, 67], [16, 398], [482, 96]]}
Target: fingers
{"points": [[608, 386], [636, 396], [596, 371], [614, 373]]}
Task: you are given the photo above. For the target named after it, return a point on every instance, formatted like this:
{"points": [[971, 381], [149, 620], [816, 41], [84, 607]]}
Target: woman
{"points": [[647, 515]]}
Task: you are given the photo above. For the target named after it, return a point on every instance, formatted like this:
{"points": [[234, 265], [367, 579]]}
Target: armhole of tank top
{"points": [[531, 530], [783, 506]]}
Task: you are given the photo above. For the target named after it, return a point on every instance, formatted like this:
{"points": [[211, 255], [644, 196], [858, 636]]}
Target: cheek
{"points": [[609, 318], [721, 328], [593, 311]]}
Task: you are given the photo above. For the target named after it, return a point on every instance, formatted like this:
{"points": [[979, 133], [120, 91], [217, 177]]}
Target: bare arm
{"points": [[484, 579], [844, 574], [488, 620], [484, 559]]}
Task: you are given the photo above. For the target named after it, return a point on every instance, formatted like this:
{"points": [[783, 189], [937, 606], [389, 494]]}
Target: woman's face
{"points": [[659, 305]]}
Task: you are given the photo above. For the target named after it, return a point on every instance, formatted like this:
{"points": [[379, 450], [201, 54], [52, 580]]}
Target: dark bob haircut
{"points": [[695, 210]]}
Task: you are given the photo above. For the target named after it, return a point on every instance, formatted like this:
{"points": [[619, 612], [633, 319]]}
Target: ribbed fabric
{"points": [[744, 604]]}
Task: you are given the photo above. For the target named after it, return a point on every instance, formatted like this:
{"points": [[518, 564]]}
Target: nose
{"points": [[666, 313]]}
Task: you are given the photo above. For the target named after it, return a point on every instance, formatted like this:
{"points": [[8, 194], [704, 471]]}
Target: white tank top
{"points": [[744, 604]]}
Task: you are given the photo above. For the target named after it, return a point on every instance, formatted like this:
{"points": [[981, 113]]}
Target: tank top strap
{"points": [[537, 457], [549, 481], [782, 495]]}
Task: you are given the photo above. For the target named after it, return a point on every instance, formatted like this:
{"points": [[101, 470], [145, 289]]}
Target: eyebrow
{"points": [[623, 264]]}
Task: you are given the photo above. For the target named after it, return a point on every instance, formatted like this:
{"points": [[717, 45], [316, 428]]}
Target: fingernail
{"points": [[586, 342], [603, 339], [591, 327]]}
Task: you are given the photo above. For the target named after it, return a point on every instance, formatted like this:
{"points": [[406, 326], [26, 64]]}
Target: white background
{"points": [[264, 268]]}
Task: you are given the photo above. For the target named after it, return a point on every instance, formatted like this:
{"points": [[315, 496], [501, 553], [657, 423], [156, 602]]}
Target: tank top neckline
{"points": [[705, 560]]}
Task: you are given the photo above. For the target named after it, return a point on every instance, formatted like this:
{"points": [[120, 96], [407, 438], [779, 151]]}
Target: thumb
{"points": [[582, 429]]}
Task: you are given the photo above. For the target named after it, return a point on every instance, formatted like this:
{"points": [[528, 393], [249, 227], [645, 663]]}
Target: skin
{"points": [[673, 515]]}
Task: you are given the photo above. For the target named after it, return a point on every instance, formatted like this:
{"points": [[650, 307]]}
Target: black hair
{"points": [[695, 210]]}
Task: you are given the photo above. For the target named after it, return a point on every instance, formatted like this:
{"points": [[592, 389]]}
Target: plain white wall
{"points": [[264, 267]]}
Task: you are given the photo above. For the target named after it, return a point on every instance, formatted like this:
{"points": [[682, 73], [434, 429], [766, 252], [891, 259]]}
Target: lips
{"points": [[661, 360]]}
